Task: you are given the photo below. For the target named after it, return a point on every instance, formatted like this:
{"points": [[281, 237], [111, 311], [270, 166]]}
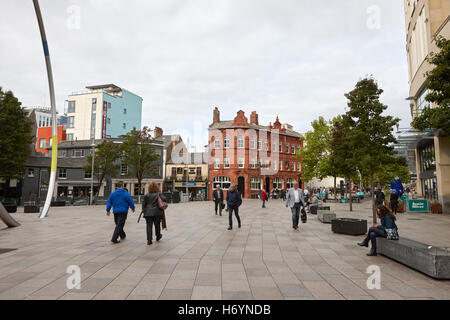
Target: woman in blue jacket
{"points": [[387, 222]]}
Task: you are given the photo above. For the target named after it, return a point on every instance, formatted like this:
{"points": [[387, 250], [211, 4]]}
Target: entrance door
{"points": [[267, 184], [241, 186]]}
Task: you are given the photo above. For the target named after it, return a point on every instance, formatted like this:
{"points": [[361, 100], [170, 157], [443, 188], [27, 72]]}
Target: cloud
{"points": [[291, 58]]}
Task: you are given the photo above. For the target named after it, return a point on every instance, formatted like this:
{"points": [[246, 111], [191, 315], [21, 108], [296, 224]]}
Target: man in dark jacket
{"points": [[234, 200], [218, 199], [121, 201], [379, 197]]}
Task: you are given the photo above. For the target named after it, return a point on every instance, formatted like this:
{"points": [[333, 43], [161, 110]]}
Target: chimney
{"points": [[158, 132], [254, 118], [216, 115]]}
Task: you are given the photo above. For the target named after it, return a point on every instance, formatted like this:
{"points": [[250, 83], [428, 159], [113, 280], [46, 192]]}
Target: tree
{"points": [[139, 155], [105, 163], [438, 82], [371, 134], [15, 137], [396, 168]]}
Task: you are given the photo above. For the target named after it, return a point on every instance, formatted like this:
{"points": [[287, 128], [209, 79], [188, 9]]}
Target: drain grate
{"points": [[6, 250]]}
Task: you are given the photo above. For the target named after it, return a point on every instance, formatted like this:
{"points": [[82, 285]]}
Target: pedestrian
{"points": [[394, 201], [234, 201], [263, 198], [387, 222], [379, 197], [218, 199], [295, 200], [283, 194], [152, 213], [120, 200]]}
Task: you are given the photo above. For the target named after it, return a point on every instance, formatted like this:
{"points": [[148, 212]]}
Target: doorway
{"points": [[267, 185], [241, 186]]}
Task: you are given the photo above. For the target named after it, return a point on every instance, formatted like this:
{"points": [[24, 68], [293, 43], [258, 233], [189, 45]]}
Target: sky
{"points": [[291, 58]]}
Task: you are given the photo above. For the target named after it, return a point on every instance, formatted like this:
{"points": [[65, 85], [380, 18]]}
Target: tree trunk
{"points": [[374, 211], [350, 194], [334, 190]]}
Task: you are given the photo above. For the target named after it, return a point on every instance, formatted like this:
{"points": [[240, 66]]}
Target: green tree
{"points": [[396, 168], [371, 133], [139, 155], [438, 82], [15, 137], [105, 161]]}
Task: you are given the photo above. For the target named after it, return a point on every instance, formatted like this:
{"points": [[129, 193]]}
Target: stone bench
{"points": [[349, 226], [325, 217], [432, 261]]}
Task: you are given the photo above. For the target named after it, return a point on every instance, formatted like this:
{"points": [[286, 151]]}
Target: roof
{"points": [[77, 144], [194, 157], [105, 86], [45, 162], [229, 125], [168, 139]]}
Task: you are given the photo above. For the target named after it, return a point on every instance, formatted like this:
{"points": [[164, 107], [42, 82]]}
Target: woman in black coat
{"points": [[152, 213]]}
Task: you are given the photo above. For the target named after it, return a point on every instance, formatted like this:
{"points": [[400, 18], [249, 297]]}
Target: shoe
{"points": [[158, 237], [216, 213], [149, 242], [115, 241], [372, 253], [123, 238], [363, 244], [230, 228], [239, 226]]}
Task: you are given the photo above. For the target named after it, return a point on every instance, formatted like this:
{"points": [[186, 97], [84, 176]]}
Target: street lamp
{"points": [[92, 172]]}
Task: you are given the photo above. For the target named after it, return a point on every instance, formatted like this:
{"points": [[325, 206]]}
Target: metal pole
{"points": [[92, 173], [51, 186]]}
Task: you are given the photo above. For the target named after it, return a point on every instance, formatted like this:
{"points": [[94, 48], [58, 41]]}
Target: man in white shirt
{"points": [[295, 200]]}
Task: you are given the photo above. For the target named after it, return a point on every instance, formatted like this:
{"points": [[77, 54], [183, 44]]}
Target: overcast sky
{"points": [[292, 58]]}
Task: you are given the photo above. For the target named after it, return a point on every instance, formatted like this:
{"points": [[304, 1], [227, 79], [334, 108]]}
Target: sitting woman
{"points": [[387, 222]]}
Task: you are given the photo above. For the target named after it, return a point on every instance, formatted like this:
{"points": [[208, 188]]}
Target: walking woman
{"points": [[387, 222], [152, 213]]}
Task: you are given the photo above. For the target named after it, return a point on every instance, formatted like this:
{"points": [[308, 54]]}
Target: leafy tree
{"points": [[139, 154], [370, 135], [397, 167], [15, 137], [105, 162], [438, 82]]}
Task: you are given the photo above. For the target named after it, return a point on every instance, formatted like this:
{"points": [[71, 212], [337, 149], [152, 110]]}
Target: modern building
{"points": [[45, 136], [252, 156], [104, 111], [425, 20], [42, 117]]}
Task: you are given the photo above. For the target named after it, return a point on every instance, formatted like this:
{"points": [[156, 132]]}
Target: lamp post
{"points": [[92, 172], [51, 186]]}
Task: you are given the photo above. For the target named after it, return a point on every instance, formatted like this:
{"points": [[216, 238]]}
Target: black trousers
{"points": [[372, 235], [119, 219], [150, 222], [218, 204], [236, 213]]}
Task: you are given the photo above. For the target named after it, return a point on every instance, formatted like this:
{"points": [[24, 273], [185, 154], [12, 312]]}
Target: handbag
{"points": [[303, 216], [161, 204], [392, 234]]}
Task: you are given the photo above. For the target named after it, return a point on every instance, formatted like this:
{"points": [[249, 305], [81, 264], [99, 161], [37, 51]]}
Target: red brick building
{"points": [[252, 156]]}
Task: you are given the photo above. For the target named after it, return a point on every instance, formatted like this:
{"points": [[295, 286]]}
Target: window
{"points": [[62, 173], [287, 147], [281, 165], [71, 107], [40, 121], [123, 169], [216, 163], [216, 143], [293, 149], [275, 166], [266, 145], [93, 117], [293, 166], [71, 122], [30, 173], [290, 183], [42, 143], [223, 182], [240, 142], [286, 165], [252, 143], [274, 147], [226, 142], [280, 147], [259, 144], [199, 171], [255, 183], [62, 153], [191, 170], [253, 163], [69, 137], [50, 142], [125, 111], [179, 170], [108, 120], [299, 166], [267, 164], [421, 102], [278, 183], [87, 175], [109, 105], [124, 125], [226, 163], [78, 153], [241, 163]]}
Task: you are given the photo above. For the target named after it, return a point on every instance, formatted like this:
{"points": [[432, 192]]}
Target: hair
{"points": [[120, 184], [153, 187], [385, 211]]}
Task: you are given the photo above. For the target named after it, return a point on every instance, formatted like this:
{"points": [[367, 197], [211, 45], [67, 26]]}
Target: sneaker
{"points": [[158, 237], [230, 228], [149, 242], [363, 244]]}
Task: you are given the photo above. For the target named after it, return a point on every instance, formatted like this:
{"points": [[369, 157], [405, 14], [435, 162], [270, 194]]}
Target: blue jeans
{"points": [[295, 214], [236, 213], [264, 203], [372, 235]]}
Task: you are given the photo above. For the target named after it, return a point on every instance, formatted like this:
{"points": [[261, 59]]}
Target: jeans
{"points": [[295, 214], [264, 203], [218, 204], [119, 219], [372, 235], [157, 222], [236, 213]]}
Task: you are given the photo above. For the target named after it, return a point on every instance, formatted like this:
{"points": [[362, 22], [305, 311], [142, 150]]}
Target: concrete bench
{"points": [[349, 226], [323, 208], [432, 261], [325, 216]]}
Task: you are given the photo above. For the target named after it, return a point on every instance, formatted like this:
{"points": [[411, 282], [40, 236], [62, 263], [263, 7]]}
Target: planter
{"points": [[436, 208], [349, 226], [31, 209], [58, 203], [401, 208], [326, 216], [313, 209], [10, 207]]}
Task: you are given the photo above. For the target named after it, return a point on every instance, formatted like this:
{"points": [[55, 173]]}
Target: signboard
{"points": [[190, 184], [418, 205], [105, 113]]}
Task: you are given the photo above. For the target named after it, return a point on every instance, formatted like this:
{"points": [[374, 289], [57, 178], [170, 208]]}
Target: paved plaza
{"points": [[198, 258]]}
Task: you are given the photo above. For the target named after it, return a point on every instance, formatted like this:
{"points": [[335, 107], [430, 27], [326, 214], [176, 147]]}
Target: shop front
{"points": [[195, 189]]}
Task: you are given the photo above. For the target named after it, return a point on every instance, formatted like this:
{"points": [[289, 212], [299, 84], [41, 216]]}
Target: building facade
{"points": [[252, 156], [44, 138], [104, 111], [425, 20]]}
